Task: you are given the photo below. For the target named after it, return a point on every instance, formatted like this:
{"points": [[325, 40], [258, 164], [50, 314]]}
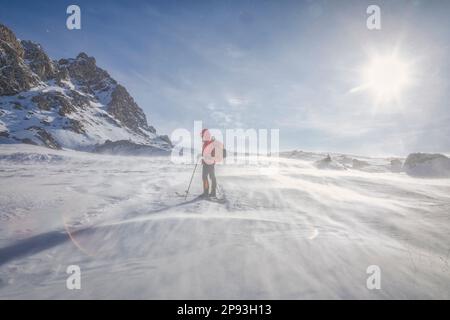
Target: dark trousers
{"points": [[208, 170]]}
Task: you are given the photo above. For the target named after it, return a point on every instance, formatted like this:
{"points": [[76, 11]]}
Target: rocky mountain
{"points": [[70, 103]]}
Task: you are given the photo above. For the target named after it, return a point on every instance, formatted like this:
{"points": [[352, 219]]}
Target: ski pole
{"points": [[192, 177]]}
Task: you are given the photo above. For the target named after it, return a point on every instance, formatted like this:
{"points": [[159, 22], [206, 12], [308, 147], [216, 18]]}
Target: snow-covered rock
{"points": [[427, 165], [30, 158], [328, 163], [70, 103], [396, 165], [15, 74], [38, 60], [301, 155], [359, 164], [124, 147]]}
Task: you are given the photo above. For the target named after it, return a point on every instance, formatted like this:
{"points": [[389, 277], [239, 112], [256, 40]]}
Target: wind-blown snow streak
{"points": [[300, 233]]}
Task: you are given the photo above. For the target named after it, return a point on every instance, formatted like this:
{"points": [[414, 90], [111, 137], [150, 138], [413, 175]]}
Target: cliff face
{"points": [[68, 103], [15, 74]]}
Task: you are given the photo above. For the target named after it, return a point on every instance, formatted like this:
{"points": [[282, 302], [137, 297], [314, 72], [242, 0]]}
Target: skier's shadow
{"points": [[166, 208], [32, 245], [194, 200], [47, 240]]}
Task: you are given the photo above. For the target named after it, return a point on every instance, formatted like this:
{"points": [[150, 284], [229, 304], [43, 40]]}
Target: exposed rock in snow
{"points": [[339, 161], [343, 159], [30, 158], [46, 138], [70, 103], [123, 108], [396, 165], [427, 165], [166, 139], [8, 37], [15, 74], [358, 164], [125, 147], [302, 155], [38, 60], [328, 163]]}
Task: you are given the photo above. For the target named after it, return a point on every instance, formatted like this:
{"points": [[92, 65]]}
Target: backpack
{"points": [[224, 153]]}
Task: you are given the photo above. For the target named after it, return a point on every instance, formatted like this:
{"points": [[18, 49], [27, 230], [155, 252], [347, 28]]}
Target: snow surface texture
{"points": [[296, 233]]}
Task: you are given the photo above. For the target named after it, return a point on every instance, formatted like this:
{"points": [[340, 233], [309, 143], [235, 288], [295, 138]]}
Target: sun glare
{"points": [[385, 77]]}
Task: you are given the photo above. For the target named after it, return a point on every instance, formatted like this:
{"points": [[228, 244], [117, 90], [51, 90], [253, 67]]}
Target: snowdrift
{"points": [[30, 158]]}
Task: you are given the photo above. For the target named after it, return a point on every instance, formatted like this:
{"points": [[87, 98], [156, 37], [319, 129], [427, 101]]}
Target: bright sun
{"points": [[385, 77]]}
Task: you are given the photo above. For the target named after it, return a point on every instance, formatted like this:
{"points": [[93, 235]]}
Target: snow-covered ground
{"points": [[296, 233]]}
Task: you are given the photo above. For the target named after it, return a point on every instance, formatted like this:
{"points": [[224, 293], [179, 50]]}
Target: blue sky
{"points": [[288, 65]]}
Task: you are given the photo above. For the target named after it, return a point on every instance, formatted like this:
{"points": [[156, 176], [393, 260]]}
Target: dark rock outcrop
{"points": [[15, 75], [46, 138], [124, 108], [427, 165], [124, 147], [38, 60], [396, 165]]}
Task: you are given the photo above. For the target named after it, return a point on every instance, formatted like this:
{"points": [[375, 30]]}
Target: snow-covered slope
{"points": [[70, 103], [284, 230]]}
